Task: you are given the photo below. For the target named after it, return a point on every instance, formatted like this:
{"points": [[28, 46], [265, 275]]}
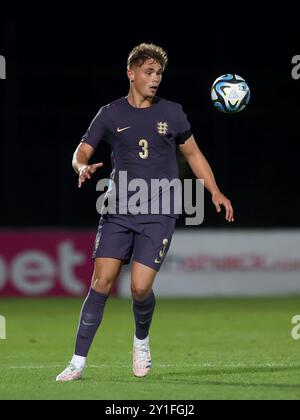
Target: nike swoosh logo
{"points": [[87, 324], [119, 130], [157, 261]]}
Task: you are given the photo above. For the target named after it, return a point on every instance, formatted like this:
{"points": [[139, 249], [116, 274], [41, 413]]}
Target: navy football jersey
{"points": [[143, 140]]}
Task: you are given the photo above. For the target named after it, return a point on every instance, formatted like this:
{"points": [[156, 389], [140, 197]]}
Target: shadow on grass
{"points": [[196, 377], [236, 370]]}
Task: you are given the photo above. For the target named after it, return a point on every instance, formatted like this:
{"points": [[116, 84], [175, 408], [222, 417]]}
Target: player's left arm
{"points": [[202, 170]]}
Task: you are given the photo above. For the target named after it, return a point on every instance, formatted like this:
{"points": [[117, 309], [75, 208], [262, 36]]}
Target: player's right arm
{"points": [[80, 162]]}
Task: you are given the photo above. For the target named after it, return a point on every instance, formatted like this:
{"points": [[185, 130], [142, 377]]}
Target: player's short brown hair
{"points": [[143, 52]]}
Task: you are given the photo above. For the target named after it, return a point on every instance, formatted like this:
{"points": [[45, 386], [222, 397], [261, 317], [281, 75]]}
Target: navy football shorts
{"points": [[146, 238]]}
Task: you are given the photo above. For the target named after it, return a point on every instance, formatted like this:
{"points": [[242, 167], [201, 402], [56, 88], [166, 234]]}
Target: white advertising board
{"points": [[228, 263]]}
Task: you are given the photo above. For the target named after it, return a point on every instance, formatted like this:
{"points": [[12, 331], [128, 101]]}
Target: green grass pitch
{"points": [[201, 349]]}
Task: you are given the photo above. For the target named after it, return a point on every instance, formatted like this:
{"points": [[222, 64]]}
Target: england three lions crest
{"points": [[162, 128]]}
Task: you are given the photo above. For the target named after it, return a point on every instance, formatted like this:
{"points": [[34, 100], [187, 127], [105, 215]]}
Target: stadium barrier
{"points": [[229, 263], [199, 263], [45, 263]]}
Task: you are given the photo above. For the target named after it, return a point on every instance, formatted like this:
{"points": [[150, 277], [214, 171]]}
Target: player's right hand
{"points": [[87, 172]]}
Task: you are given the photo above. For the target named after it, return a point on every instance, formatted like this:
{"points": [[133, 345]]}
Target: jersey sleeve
{"points": [[97, 131], [184, 131]]}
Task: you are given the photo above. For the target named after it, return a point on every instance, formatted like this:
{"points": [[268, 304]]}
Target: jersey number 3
{"points": [[145, 153]]}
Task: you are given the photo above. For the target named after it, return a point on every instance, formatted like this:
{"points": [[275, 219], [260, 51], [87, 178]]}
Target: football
{"points": [[230, 93]]}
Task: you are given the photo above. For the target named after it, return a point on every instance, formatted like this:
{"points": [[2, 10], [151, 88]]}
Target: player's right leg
{"points": [[106, 271]]}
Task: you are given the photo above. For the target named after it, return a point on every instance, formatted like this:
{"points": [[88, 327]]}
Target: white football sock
{"points": [[78, 361], [138, 342]]}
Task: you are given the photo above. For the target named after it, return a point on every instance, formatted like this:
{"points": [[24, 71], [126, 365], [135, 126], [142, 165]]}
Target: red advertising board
{"points": [[45, 263]]}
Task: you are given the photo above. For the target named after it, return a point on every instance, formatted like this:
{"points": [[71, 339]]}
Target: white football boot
{"points": [[71, 373], [141, 357]]}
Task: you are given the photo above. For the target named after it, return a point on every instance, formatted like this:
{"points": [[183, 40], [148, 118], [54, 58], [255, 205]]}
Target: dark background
{"points": [[62, 69]]}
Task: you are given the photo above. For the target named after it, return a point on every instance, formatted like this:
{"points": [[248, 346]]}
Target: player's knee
{"points": [[102, 284], [139, 292]]}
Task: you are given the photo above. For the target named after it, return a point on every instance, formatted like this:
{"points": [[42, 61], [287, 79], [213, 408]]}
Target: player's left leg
{"points": [[152, 239], [142, 279], [151, 244]]}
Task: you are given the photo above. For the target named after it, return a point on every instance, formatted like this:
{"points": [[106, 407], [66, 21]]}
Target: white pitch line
{"points": [[159, 365]]}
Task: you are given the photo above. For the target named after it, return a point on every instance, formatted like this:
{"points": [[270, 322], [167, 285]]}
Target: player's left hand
{"points": [[219, 200]]}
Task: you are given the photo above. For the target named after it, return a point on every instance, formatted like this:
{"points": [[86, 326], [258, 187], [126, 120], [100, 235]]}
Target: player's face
{"points": [[147, 78]]}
